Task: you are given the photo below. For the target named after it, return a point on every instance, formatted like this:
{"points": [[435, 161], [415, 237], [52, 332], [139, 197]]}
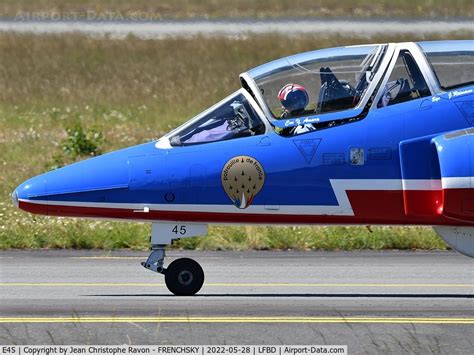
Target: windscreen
{"points": [[234, 117]]}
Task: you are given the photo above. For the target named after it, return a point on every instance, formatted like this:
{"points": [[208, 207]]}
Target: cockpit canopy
{"points": [[328, 80], [334, 79], [327, 88]]}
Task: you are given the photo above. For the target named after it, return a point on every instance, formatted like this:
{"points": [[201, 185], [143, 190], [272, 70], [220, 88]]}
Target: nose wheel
{"points": [[184, 277]]}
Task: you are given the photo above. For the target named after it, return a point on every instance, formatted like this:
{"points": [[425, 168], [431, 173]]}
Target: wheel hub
{"points": [[185, 277]]}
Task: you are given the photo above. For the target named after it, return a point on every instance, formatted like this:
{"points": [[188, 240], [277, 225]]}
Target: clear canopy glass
{"points": [[452, 62], [332, 79], [231, 118]]}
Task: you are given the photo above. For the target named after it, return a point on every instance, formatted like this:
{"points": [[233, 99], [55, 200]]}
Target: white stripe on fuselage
{"points": [[340, 187], [458, 182]]}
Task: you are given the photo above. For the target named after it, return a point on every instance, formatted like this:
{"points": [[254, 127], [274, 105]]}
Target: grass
{"points": [[132, 91], [27, 231], [164, 9]]}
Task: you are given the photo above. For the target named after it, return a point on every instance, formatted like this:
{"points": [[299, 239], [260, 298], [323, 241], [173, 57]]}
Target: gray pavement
{"points": [[392, 302], [236, 28]]}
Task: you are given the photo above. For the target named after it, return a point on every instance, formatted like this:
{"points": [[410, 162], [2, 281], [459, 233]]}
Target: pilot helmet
{"points": [[293, 97]]}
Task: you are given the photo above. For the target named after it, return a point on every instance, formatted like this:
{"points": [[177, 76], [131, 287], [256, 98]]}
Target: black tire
{"points": [[184, 277]]}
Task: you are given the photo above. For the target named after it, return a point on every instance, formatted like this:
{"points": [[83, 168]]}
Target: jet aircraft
{"points": [[376, 134]]}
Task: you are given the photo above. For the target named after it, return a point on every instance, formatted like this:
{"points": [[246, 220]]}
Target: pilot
{"points": [[385, 98], [294, 98]]}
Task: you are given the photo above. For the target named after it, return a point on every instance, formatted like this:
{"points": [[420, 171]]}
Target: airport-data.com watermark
{"points": [[90, 15]]}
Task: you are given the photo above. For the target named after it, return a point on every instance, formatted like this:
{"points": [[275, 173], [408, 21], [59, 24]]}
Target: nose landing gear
{"points": [[184, 276]]}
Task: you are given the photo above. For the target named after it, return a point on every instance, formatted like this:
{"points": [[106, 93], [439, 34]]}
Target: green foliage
{"points": [[80, 143], [315, 238]]}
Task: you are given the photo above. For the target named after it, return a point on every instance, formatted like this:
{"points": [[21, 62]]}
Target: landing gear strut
{"points": [[183, 277], [156, 259]]}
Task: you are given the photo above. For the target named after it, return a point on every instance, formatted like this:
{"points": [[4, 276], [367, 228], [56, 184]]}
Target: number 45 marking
{"points": [[179, 230], [165, 232]]}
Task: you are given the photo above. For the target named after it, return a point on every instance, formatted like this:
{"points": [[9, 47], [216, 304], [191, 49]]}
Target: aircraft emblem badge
{"points": [[242, 178]]}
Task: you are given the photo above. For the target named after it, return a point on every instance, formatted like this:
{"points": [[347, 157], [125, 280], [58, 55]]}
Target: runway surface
{"points": [[236, 28], [371, 301]]}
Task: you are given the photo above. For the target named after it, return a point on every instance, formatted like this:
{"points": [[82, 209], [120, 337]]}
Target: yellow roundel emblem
{"points": [[242, 178]]}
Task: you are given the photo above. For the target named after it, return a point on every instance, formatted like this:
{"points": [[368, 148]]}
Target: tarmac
{"points": [[237, 28], [373, 302]]}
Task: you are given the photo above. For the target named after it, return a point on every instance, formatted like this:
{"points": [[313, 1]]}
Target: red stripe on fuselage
{"points": [[459, 203], [370, 207]]}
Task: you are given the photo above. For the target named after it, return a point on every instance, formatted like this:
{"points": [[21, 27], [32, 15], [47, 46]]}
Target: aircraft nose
{"points": [[15, 198], [28, 191]]}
